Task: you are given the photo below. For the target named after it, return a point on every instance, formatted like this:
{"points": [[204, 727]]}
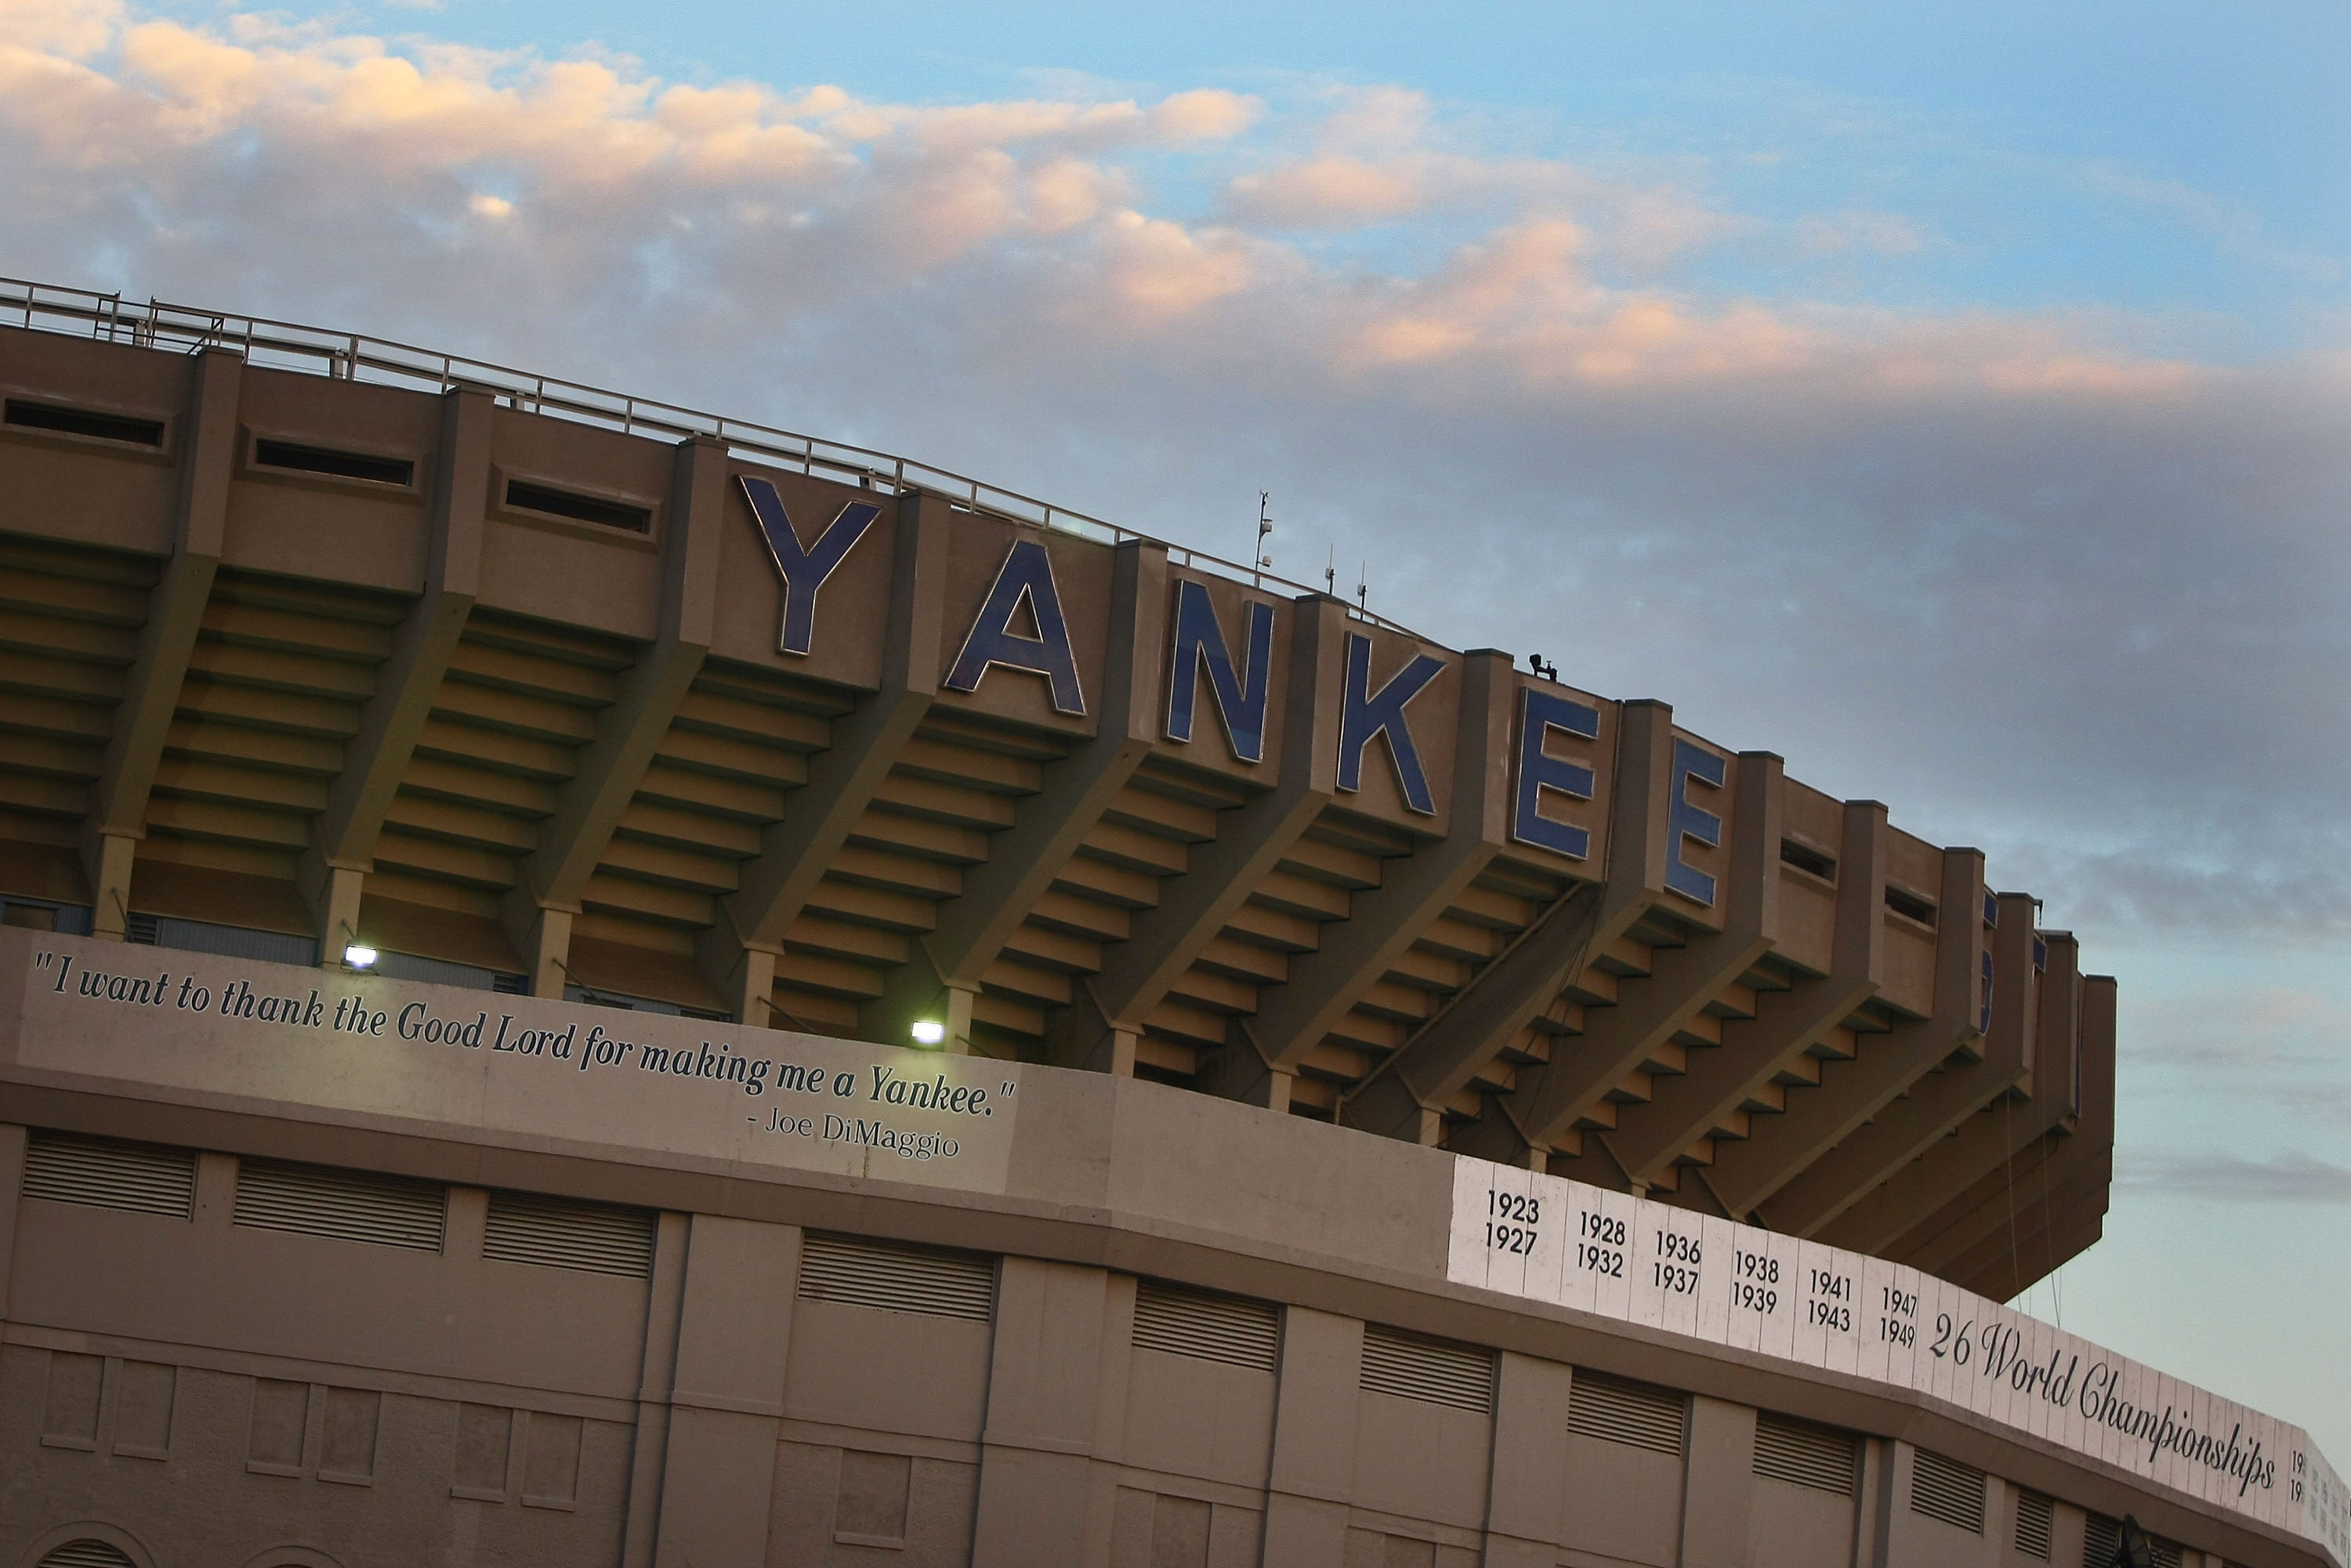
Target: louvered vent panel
{"points": [[2101, 1540], [349, 1206], [1210, 1328], [105, 1174], [1639, 1415], [86, 1554], [2165, 1553], [862, 1273], [555, 1233], [2034, 1514], [1948, 1490], [1435, 1372], [1817, 1457]]}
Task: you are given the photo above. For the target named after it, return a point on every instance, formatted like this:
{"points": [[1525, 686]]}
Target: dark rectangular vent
{"points": [[1818, 1456], [301, 459], [104, 1173], [1639, 1415], [26, 415], [1909, 905], [1229, 1329], [1433, 1371], [2034, 1515], [893, 1278], [2102, 1542], [346, 1205], [528, 497], [557, 1233], [1947, 1489], [443, 972], [227, 941], [1804, 857], [29, 915]]}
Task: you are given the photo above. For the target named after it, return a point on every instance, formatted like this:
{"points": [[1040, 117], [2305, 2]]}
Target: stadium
{"points": [[584, 982]]}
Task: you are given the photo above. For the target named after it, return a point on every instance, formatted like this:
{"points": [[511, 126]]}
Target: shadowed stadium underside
{"points": [[534, 686]]}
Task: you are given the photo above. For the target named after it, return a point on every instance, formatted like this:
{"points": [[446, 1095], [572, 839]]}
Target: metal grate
{"points": [[106, 1174], [1788, 1449], [1615, 1410], [856, 1272], [228, 941], [347, 1206], [2102, 1542], [86, 1554], [1229, 1329], [560, 1233], [2033, 1516], [442, 972], [1433, 1371], [1947, 1489]]}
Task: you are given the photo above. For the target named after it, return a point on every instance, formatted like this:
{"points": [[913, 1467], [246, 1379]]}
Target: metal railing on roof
{"points": [[352, 355]]}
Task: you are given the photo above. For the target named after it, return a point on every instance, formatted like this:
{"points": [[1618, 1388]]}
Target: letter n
{"points": [[1027, 574], [1240, 697], [803, 570]]}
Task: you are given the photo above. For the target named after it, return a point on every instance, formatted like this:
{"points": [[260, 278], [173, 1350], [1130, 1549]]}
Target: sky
{"points": [[1956, 401]]}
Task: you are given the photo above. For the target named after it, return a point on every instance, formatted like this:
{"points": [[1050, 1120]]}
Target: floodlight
{"points": [[929, 1032], [360, 956]]}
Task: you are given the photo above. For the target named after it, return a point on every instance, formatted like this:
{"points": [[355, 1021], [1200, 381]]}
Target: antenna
{"points": [[1331, 574], [1259, 555], [1363, 587]]}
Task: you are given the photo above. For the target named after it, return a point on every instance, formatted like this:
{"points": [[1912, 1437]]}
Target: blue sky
{"points": [[1957, 401]]}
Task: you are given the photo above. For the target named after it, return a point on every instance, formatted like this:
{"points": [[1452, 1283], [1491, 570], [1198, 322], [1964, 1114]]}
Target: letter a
{"points": [[803, 571], [1027, 573]]}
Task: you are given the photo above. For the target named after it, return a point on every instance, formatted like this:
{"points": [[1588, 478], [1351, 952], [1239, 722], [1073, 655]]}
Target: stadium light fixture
{"points": [[357, 955], [930, 1031]]}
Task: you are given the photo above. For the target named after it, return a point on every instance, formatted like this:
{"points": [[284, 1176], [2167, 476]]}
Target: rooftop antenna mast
{"points": [[1331, 574], [1260, 556], [1363, 587]]}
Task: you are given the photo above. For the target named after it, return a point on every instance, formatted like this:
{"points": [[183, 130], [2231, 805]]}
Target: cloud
{"points": [[2232, 1178], [2043, 583]]}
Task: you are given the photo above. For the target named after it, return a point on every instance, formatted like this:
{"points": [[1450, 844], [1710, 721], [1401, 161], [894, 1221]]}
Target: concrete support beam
{"points": [[343, 836], [1164, 940], [573, 840], [1718, 1490], [1551, 1099], [1511, 992], [656, 1378], [1682, 1110], [1937, 1104], [1024, 859], [1324, 985], [175, 612], [1997, 1137], [819, 817], [1745, 1173]]}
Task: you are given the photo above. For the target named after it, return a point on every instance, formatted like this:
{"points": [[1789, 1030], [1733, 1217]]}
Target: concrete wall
{"points": [[194, 1390]]}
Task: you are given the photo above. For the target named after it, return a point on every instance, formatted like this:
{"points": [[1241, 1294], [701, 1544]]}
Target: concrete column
{"points": [[109, 887], [1717, 1484], [733, 1329], [11, 1181], [1316, 1407], [338, 915], [656, 1376], [548, 950], [1523, 1527], [1037, 1484]]}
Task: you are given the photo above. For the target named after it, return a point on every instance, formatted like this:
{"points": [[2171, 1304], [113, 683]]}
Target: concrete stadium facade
{"points": [[569, 704]]}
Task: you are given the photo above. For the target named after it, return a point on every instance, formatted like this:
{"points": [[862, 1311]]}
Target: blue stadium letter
{"points": [[1200, 641], [803, 571], [1363, 713], [1683, 820], [1540, 712], [1027, 573]]}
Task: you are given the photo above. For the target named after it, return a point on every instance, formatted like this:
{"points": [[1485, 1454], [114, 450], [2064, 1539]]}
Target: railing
{"points": [[351, 356]]}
